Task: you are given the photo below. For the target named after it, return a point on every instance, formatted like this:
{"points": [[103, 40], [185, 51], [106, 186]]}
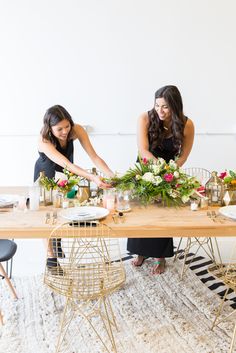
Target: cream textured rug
{"points": [[155, 314]]}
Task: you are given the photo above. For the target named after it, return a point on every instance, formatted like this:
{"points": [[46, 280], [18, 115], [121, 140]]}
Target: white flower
{"points": [[157, 180], [176, 174], [160, 162], [148, 177], [173, 193], [172, 164], [138, 177], [156, 169], [185, 198]]}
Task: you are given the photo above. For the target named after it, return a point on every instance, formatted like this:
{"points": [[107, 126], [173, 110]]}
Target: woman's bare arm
{"points": [[51, 152], [187, 142], [82, 136]]}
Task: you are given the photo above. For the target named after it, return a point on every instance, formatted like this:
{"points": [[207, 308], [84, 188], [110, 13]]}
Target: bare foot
{"points": [[159, 266], [138, 261]]}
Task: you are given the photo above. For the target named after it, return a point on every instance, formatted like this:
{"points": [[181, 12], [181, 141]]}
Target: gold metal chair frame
{"points": [[227, 274], [204, 243], [91, 270]]}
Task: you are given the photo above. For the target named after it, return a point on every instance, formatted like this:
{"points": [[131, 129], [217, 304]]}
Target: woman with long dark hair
{"points": [[164, 132], [56, 151], [56, 147]]}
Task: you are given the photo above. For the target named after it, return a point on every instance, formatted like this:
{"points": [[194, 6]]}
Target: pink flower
{"points": [[169, 177], [62, 183], [222, 175], [177, 186], [145, 160], [201, 189]]}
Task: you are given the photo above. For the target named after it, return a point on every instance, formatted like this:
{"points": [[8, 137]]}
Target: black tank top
{"points": [[45, 164], [167, 151]]}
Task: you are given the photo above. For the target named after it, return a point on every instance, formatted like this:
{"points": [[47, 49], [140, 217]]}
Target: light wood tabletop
{"points": [[152, 221]]}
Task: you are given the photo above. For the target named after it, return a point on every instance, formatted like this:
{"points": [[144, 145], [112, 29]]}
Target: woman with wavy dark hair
{"points": [[56, 151], [56, 147], [164, 132]]}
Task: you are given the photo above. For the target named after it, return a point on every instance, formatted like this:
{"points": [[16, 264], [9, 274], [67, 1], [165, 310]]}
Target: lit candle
{"points": [[65, 204], [194, 205]]}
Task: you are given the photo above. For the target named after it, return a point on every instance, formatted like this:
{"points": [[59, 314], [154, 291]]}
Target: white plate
{"points": [[85, 213], [228, 211], [6, 200]]}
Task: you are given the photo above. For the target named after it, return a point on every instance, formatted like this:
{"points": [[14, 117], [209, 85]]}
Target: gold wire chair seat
{"points": [[87, 271], [87, 281]]}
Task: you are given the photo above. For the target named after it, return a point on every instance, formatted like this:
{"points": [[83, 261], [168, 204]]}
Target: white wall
{"points": [[103, 60]]}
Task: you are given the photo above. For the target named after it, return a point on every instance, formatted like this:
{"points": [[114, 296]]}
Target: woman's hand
{"points": [[100, 183]]}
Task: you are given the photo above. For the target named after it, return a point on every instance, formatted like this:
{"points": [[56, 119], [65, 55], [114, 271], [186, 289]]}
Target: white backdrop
{"points": [[103, 60]]}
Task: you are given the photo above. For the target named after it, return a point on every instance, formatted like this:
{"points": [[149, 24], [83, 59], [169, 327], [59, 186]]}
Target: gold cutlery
{"points": [[215, 217], [54, 217], [211, 216], [47, 218]]}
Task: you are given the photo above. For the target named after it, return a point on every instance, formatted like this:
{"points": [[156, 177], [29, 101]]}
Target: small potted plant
{"points": [[63, 185]]}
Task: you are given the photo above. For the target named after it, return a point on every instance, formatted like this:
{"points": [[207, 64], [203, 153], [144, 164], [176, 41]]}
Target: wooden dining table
{"points": [[150, 221]]}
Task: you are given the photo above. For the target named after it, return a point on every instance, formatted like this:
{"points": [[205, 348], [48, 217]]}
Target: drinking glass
{"points": [[123, 201], [109, 197], [194, 205], [20, 203], [34, 195]]}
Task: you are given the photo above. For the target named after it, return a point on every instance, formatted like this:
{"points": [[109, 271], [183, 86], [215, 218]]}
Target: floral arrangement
{"points": [[157, 180], [62, 185], [229, 179]]}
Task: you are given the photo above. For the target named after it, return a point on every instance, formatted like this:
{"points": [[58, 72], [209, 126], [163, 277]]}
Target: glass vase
{"points": [[48, 197]]}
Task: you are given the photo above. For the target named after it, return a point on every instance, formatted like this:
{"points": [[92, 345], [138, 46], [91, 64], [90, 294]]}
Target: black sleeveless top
{"points": [[45, 164], [167, 151]]}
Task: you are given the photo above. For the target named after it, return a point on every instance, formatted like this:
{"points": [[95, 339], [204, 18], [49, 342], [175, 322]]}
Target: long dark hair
{"points": [[52, 117], [156, 130]]}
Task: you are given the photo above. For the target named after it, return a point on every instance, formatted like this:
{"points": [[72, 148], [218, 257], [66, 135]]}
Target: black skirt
{"points": [[151, 247]]}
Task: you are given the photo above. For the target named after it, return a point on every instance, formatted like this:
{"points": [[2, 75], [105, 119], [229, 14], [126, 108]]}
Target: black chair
{"points": [[7, 251]]}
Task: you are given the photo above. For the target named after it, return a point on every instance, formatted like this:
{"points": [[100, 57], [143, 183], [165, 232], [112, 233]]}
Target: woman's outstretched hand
{"points": [[100, 183]]}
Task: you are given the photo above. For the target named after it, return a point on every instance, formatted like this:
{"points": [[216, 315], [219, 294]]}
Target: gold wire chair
{"points": [[228, 276], [89, 272], [201, 174], [204, 243]]}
